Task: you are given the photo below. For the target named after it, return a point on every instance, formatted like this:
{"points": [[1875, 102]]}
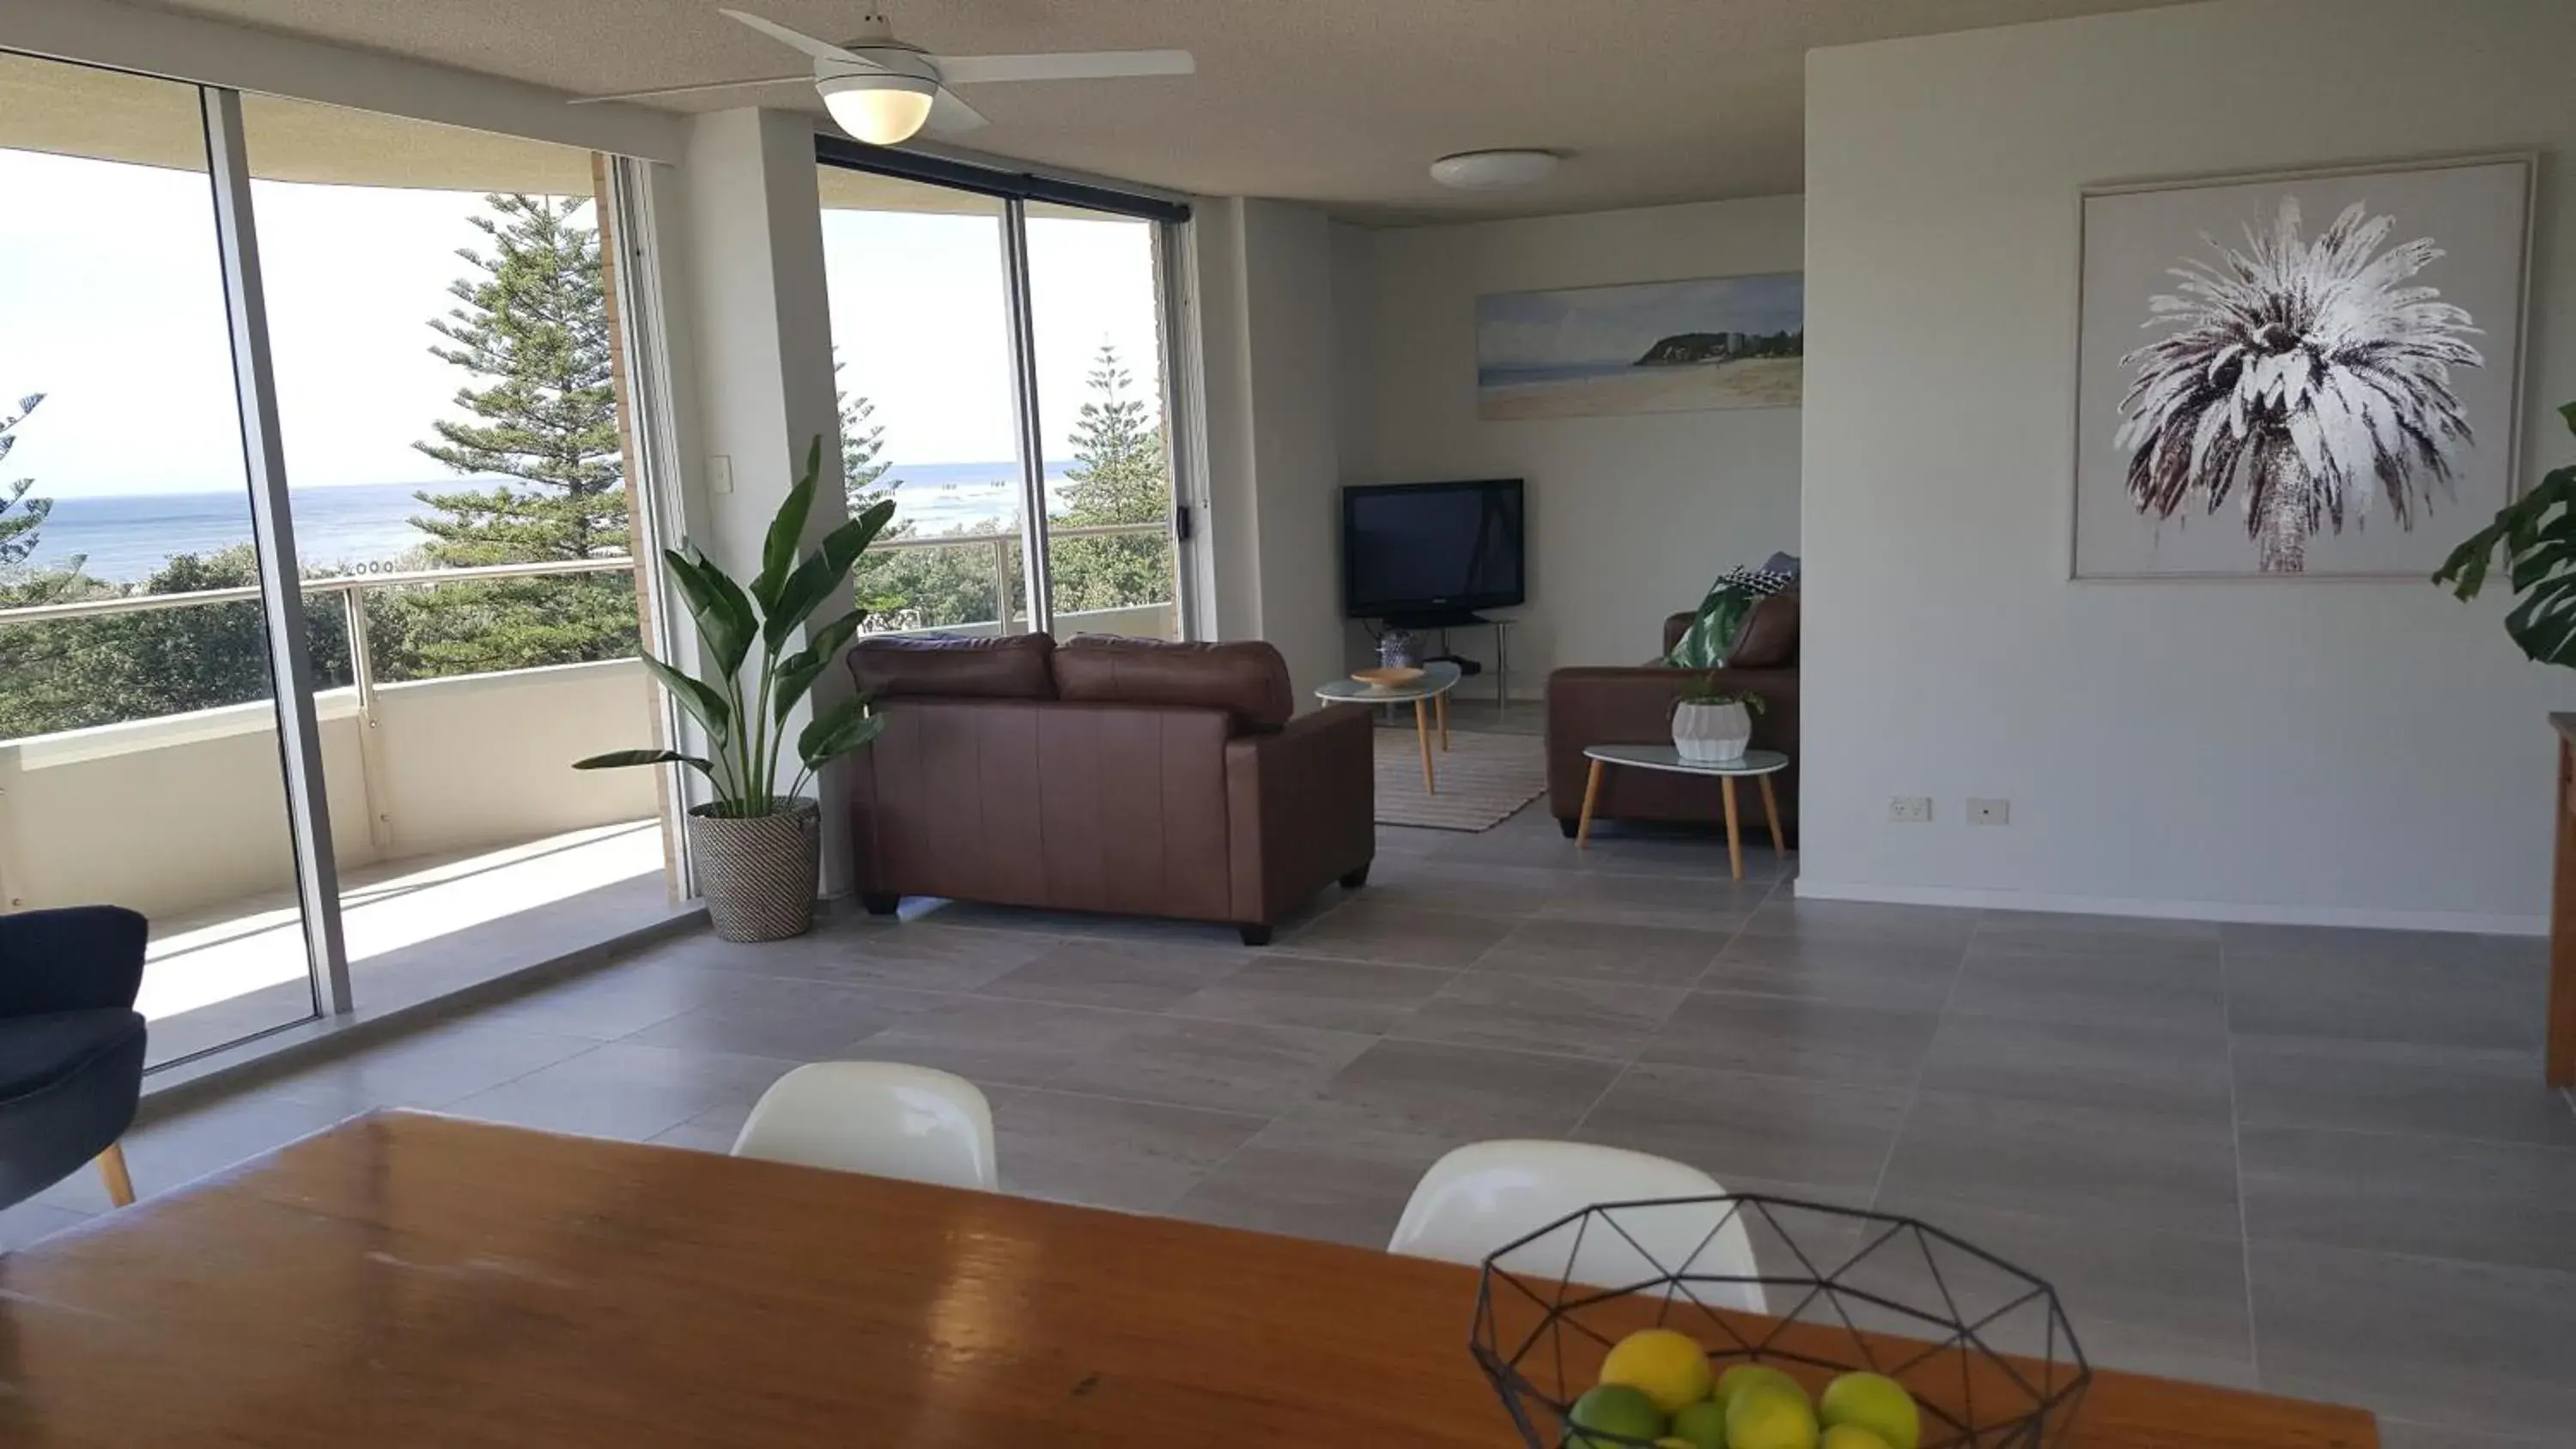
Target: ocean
{"points": [[126, 538]]}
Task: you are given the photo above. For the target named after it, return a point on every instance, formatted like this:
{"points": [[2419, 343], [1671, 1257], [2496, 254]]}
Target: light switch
{"points": [[720, 474]]}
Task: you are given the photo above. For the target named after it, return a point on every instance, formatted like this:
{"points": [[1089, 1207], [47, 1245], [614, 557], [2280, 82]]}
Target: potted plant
{"points": [[1711, 726], [758, 851], [2537, 534]]}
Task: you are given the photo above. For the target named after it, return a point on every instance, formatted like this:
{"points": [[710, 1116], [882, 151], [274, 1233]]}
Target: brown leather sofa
{"points": [[1116, 775], [1633, 705]]}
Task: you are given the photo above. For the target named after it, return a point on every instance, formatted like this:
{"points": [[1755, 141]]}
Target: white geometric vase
{"points": [[1711, 734]]}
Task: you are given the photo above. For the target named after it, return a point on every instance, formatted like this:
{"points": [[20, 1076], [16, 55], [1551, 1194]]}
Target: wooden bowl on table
{"points": [[1395, 677]]}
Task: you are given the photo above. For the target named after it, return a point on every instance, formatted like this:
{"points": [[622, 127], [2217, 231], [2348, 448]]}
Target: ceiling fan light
{"points": [[1493, 170], [880, 109]]}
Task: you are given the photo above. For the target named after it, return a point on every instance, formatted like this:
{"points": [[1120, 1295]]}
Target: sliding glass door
{"points": [[317, 565], [1094, 301], [447, 403], [921, 339], [140, 752], [1002, 374]]}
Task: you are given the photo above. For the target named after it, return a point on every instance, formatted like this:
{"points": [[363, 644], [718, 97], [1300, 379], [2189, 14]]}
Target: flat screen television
{"points": [[1431, 551]]}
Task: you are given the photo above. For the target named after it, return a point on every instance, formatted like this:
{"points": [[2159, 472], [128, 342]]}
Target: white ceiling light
{"points": [[881, 109], [1493, 170], [883, 91]]}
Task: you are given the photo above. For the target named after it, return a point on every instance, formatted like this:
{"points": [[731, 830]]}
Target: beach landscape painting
{"points": [[1646, 347]]}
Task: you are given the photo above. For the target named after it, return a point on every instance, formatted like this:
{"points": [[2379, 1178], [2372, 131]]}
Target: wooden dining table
{"points": [[409, 1280]]}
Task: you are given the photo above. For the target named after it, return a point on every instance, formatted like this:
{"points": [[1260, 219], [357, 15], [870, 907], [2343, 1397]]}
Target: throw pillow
{"points": [[1721, 616]]}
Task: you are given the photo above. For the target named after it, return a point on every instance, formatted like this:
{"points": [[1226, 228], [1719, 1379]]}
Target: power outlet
{"points": [[1990, 812], [1910, 809]]}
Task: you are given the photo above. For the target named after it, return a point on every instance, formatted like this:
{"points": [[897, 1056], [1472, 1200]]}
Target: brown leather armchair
{"points": [[1633, 705], [1115, 775]]}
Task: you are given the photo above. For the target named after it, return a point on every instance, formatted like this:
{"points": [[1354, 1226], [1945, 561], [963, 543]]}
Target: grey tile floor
{"points": [[2319, 1162]]}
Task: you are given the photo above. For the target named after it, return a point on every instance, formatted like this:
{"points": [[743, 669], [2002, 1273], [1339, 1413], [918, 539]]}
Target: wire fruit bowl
{"points": [[1982, 1346]]}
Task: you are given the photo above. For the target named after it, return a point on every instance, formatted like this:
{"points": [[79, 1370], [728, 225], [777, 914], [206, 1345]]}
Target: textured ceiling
{"points": [[1343, 102]]}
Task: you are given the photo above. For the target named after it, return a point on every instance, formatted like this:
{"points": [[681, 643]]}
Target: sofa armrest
{"points": [[1301, 809], [76, 958]]}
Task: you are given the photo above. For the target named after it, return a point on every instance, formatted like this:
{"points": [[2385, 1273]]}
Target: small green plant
{"points": [[745, 718], [2538, 535], [1707, 691]]}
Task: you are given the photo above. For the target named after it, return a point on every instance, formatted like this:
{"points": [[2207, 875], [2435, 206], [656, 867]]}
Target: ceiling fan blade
{"points": [[1069, 65], [819, 49], [801, 77], [949, 115]]}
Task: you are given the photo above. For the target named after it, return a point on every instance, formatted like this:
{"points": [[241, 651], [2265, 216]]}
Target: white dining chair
{"points": [[1487, 1194], [883, 1118]]}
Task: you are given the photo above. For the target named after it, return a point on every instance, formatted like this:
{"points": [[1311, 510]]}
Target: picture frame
{"points": [[2408, 389], [1690, 345]]}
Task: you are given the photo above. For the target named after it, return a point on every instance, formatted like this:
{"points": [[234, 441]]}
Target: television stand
{"points": [[1444, 620], [1442, 623]]}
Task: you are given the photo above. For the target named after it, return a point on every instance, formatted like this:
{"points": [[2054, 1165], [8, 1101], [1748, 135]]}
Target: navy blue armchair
{"points": [[71, 1045]]}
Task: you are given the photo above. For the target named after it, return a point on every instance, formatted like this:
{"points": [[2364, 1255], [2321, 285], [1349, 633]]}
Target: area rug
{"points": [[1483, 778]]}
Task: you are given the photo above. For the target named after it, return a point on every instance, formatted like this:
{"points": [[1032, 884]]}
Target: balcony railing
{"points": [[1004, 610], [180, 812]]}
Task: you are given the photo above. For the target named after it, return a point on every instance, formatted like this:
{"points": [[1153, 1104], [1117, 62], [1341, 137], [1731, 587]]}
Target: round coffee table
{"points": [[1429, 693], [1761, 764]]}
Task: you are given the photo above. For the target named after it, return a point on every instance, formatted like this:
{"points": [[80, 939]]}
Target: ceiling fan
{"points": [[882, 90]]}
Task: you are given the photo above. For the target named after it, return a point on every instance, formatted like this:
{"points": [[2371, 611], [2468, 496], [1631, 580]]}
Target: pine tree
{"points": [[862, 441], [18, 534], [536, 323], [1118, 476], [532, 329]]}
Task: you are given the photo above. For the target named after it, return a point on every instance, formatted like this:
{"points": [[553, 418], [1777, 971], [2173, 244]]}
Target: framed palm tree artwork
{"points": [[2312, 375]]}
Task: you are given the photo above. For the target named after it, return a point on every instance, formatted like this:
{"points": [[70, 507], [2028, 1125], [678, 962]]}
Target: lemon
{"points": [[1764, 1416], [1752, 1375], [1702, 1426], [1850, 1436], [1615, 1410], [1669, 1367], [1873, 1402]]}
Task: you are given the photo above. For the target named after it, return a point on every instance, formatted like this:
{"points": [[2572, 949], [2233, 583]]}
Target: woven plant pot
{"points": [[760, 875]]}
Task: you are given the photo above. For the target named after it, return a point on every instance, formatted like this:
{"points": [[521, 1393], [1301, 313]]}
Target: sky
{"points": [[1598, 326], [111, 304]]}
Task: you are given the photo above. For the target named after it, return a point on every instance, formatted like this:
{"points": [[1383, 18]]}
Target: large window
{"points": [[1002, 379], [436, 343]]}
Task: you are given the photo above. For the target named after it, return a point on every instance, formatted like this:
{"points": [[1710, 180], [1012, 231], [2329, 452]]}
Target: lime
{"points": [[1702, 1426], [1616, 1410], [1749, 1375], [1873, 1402], [1850, 1436], [1764, 1416], [1669, 1367]]}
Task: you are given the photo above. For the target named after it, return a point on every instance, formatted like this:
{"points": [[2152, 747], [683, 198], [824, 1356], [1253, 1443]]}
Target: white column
{"points": [[751, 338]]}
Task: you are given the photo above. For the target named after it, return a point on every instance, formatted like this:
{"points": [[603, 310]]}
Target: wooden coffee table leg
{"points": [[1771, 812], [1422, 732], [1440, 706], [1734, 841], [1591, 792]]}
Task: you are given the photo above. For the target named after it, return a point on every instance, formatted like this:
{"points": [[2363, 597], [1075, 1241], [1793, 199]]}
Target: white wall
{"points": [[2371, 753], [1264, 288], [1629, 517]]}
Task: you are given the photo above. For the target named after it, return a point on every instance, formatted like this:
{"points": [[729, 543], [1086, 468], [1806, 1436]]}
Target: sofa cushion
{"points": [[1248, 680], [954, 667], [1769, 636]]}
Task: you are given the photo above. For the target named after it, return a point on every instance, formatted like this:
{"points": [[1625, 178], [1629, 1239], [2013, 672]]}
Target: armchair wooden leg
{"points": [[120, 1183]]}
